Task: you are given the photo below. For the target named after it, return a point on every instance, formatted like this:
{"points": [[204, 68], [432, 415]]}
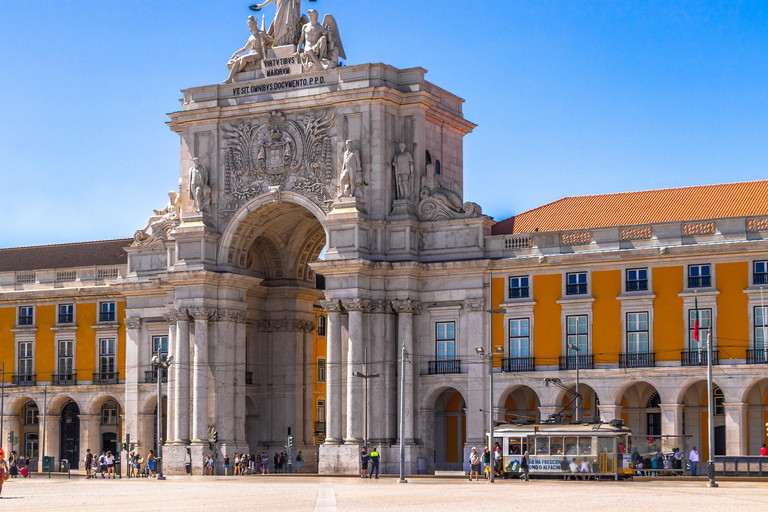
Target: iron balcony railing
{"points": [[576, 289], [637, 360], [105, 378], [700, 282], [64, 379], [23, 379], [319, 427], [518, 364], [697, 357], [637, 286], [585, 362], [444, 366], [757, 356], [249, 378], [150, 376], [761, 278], [518, 293]]}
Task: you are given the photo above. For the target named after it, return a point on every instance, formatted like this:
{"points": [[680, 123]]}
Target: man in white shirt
{"points": [[694, 458]]}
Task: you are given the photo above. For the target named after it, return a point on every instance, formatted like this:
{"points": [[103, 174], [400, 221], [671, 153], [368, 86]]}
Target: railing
{"points": [[105, 378], [248, 378], [150, 376], [518, 364], [761, 278], [697, 357], [64, 379], [757, 356], [68, 318], [741, 466], [585, 362], [700, 282], [637, 286], [576, 289], [518, 293], [444, 366], [23, 379], [319, 427], [637, 360]]}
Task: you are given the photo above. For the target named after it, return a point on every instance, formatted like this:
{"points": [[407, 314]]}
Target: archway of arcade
{"points": [[275, 242], [589, 406], [695, 418], [450, 422], [640, 409], [756, 404], [519, 404]]}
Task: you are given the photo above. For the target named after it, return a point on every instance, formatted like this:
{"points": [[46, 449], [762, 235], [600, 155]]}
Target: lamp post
{"points": [[403, 355], [481, 352], [575, 348], [710, 415], [160, 363], [366, 376]]}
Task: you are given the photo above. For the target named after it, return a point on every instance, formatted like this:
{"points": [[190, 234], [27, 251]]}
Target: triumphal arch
{"points": [[294, 153]]}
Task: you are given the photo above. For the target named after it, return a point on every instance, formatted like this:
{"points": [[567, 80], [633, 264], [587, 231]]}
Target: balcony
{"points": [[576, 289], [518, 293], [585, 362], [444, 367], [697, 357], [150, 376], [319, 427], [757, 356], [517, 364], [249, 378], [637, 360], [64, 379], [700, 282], [23, 379], [761, 278], [637, 286], [105, 378]]}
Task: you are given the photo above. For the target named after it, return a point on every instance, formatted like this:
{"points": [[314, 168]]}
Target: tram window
{"points": [[542, 446], [605, 445], [514, 446], [571, 446], [556, 445], [585, 445]]}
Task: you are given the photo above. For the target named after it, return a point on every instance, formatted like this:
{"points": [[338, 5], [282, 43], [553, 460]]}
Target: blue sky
{"points": [[571, 97]]}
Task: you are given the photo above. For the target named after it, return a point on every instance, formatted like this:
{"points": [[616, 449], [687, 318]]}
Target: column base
{"points": [[353, 440], [339, 459], [176, 457]]}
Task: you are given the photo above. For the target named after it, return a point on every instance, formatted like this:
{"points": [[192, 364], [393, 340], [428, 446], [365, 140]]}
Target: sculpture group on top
{"points": [[161, 223]]}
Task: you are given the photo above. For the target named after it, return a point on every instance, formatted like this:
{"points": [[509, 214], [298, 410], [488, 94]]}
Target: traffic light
{"points": [[290, 441], [215, 436]]}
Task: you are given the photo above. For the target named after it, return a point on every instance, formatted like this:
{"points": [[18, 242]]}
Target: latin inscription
{"points": [[278, 86], [279, 67]]}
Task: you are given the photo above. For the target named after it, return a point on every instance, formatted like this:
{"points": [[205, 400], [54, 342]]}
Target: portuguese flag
{"points": [[696, 320]]}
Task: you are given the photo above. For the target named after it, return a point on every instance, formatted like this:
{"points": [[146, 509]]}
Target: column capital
{"points": [[285, 324], [475, 304], [202, 313], [363, 305], [407, 306], [331, 306], [381, 306], [169, 317], [132, 322], [181, 314], [230, 315]]}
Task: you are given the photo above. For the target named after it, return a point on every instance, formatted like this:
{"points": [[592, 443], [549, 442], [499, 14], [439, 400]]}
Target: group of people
{"points": [[104, 464], [488, 462], [251, 464], [140, 467], [17, 464], [373, 458]]}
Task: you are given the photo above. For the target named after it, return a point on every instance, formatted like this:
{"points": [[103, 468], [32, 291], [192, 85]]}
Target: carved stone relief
{"points": [[441, 200], [161, 223]]}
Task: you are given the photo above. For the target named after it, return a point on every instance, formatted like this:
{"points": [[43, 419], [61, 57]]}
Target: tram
{"points": [[587, 450]]}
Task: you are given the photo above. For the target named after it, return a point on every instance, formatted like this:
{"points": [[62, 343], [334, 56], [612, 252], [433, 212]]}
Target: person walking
{"points": [[5, 471], [14, 463], [364, 458], [487, 464], [226, 465], [94, 466], [375, 458], [151, 464], [88, 461], [693, 456], [300, 459], [264, 463], [764, 451], [474, 464], [525, 466], [103, 464], [110, 465], [497, 462]]}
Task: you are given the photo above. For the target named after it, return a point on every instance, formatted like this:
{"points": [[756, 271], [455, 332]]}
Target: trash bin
{"points": [[64, 466], [49, 463], [188, 468]]}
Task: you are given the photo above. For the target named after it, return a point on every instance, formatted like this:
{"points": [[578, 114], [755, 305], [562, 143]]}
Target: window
{"points": [[321, 370], [637, 279], [637, 333], [519, 338], [577, 332], [66, 313], [31, 414], [160, 347], [761, 273], [107, 312], [446, 340], [31, 445], [26, 315], [719, 402], [518, 287], [705, 327], [66, 364], [106, 356], [109, 413], [699, 276], [321, 325], [761, 327], [25, 359], [576, 283], [321, 410]]}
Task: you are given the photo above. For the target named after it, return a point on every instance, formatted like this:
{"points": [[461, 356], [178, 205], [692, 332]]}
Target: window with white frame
{"points": [[26, 358], [66, 363], [760, 275], [719, 401], [445, 338], [577, 334], [699, 276], [26, 315], [637, 333], [321, 325], [519, 287], [321, 411], [761, 328], [519, 343], [637, 279], [106, 357], [576, 283], [705, 328], [160, 346], [31, 414], [106, 312], [66, 313], [31, 445], [321, 370], [109, 413]]}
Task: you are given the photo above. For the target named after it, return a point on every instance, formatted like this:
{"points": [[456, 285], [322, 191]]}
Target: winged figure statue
{"points": [[319, 43]]}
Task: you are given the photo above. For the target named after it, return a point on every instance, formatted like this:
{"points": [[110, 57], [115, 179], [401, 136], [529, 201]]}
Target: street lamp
{"points": [[710, 415], [575, 348], [481, 352], [366, 376], [160, 363]]}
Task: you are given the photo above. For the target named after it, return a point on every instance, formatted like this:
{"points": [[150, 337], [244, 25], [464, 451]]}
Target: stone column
{"points": [[133, 366], [355, 391], [239, 379], [377, 357], [610, 412], [333, 363], [224, 375], [405, 310], [170, 436], [736, 429], [90, 436], [200, 372], [181, 378], [672, 420], [477, 374]]}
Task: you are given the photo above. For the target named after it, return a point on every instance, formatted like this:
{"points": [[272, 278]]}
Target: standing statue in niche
{"points": [[350, 169], [199, 186], [403, 167], [319, 45], [286, 26], [256, 48]]}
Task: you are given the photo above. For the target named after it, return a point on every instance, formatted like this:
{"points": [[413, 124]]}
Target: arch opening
{"points": [[450, 429]]}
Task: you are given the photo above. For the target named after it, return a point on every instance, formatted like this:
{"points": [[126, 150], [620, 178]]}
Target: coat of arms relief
{"points": [[280, 154]]}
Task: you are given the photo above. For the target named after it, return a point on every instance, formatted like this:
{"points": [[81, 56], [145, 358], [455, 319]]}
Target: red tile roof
{"points": [[85, 254], [646, 207]]}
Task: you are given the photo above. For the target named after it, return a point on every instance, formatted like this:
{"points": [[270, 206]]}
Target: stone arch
{"points": [[618, 394], [57, 403], [639, 409], [97, 402], [692, 394], [149, 403], [685, 386], [518, 404], [755, 396], [589, 406], [16, 405], [431, 395], [446, 425]]}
